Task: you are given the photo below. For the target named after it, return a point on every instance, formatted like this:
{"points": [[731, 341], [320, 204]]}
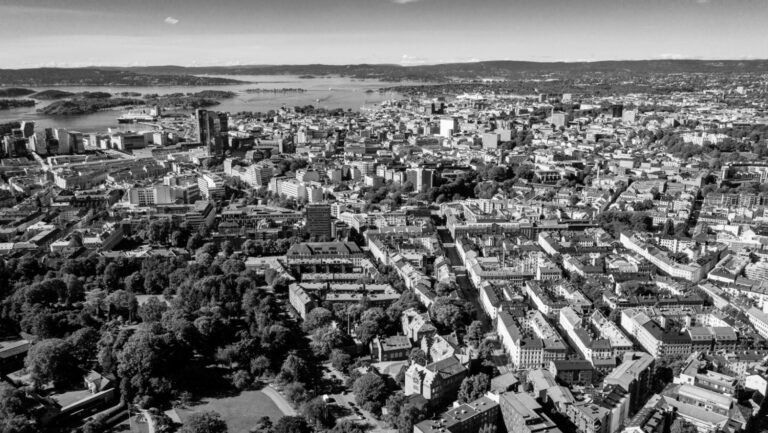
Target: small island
{"points": [[6, 104], [91, 102], [15, 92], [51, 94]]}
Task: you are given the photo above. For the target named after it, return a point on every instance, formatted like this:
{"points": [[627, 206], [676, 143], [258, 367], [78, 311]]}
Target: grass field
{"points": [[241, 412]]}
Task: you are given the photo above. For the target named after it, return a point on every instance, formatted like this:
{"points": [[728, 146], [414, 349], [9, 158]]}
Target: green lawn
{"points": [[241, 412]]}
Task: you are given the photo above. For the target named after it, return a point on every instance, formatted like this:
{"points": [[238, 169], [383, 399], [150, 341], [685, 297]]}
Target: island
{"points": [[91, 102], [47, 95], [6, 104], [15, 92]]}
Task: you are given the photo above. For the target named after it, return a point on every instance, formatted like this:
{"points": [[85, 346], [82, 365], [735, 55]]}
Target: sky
{"points": [[73, 33]]}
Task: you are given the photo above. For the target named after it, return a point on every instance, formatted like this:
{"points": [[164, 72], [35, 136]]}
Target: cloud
{"points": [[412, 61], [404, 2], [171, 20]]}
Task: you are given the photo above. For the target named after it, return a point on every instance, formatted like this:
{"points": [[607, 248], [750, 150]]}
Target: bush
{"points": [[242, 380]]}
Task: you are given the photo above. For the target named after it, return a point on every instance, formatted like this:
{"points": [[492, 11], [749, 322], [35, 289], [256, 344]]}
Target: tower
{"points": [[212, 130], [318, 220]]}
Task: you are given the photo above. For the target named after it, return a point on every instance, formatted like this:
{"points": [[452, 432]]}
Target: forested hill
{"points": [[488, 69], [179, 75]]}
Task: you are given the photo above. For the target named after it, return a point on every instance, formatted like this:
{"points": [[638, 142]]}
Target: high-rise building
{"points": [[318, 218], [421, 178], [212, 130], [449, 126], [27, 128], [64, 139]]}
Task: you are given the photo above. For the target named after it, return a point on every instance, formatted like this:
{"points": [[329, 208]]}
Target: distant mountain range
{"points": [[180, 75]]}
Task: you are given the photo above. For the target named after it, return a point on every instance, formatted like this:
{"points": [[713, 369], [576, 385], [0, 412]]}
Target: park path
{"points": [[279, 400]]}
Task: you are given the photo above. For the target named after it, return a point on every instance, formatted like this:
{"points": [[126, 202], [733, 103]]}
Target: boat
{"points": [[143, 115], [133, 118]]}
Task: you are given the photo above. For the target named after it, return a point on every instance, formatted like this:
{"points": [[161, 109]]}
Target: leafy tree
{"points": [[370, 392], [317, 412], [418, 356], [296, 392], [474, 333], [294, 369], [205, 422], [242, 380], [150, 364], [110, 277], [260, 365], [473, 387], [449, 313], [367, 331], [83, 345], [317, 318], [51, 361], [292, 424], [402, 415], [15, 415], [347, 426], [324, 340], [152, 310], [340, 360]]}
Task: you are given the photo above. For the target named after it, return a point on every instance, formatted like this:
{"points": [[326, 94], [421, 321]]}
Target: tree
{"points": [[340, 360], [367, 331], [448, 313], [15, 416], [75, 291], [292, 424], [205, 422], [317, 318], [402, 415], [110, 277], [296, 392], [260, 365], [347, 426], [51, 361], [370, 391], [418, 356], [83, 344], [150, 364], [473, 387], [324, 340], [317, 412], [242, 380], [474, 333], [294, 369], [152, 310]]}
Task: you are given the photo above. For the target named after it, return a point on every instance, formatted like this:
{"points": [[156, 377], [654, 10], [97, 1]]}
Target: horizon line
{"points": [[408, 65]]}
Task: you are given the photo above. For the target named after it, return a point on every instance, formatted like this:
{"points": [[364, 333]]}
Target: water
{"points": [[322, 92]]}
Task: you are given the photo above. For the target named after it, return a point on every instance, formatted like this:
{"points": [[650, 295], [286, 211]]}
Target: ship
{"points": [[134, 116]]}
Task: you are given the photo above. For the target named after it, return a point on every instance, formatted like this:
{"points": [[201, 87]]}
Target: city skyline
{"points": [[406, 32]]}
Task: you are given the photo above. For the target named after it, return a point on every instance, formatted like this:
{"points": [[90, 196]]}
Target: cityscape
{"points": [[479, 246]]}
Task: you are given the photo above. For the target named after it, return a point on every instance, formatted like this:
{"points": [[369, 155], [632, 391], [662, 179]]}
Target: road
{"points": [[279, 400]]}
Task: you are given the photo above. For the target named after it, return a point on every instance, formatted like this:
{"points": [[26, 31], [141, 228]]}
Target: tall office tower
{"points": [[318, 218], [27, 128], [421, 178], [65, 141], [449, 126], [212, 130], [617, 110]]}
